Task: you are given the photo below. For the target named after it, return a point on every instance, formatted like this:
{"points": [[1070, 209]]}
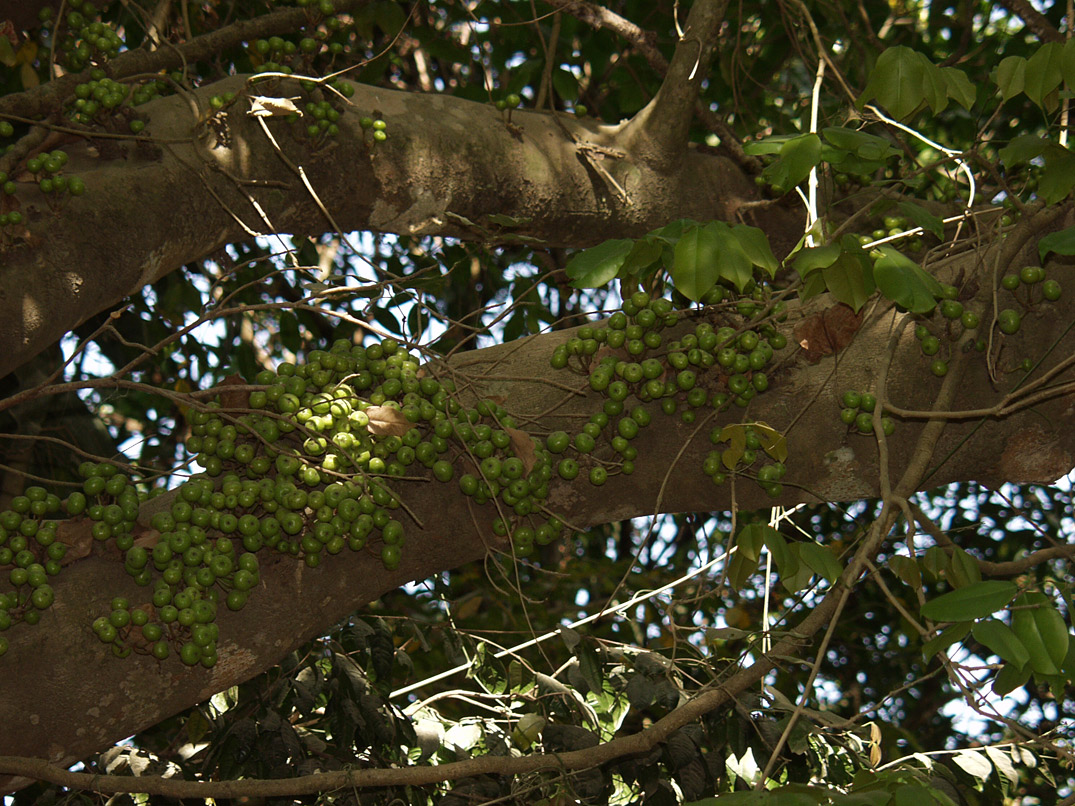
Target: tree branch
{"points": [[1035, 21], [643, 42], [447, 165], [658, 133]]}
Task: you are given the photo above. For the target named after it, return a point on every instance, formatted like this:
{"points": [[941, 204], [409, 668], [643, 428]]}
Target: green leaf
{"points": [[290, 337], [697, 262], [821, 560], [770, 145], [734, 265], [755, 246], [799, 578], [1044, 72], [644, 254], [816, 257], [947, 637], [1010, 677], [565, 84], [960, 88], [903, 281], [1063, 243], [778, 548], [963, 569], [797, 157], [1011, 76], [921, 217], [1067, 64], [850, 278], [7, 52], [868, 146], [906, 568], [974, 601], [1021, 149], [897, 81], [934, 86], [589, 663], [740, 569], [752, 538], [1058, 177], [1053, 631], [999, 639], [598, 265]]}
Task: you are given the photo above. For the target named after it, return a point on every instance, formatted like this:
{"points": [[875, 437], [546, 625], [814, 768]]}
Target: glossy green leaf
{"points": [[598, 265], [948, 636], [752, 538], [1025, 625], [934, 85], [1053, 631], [797, 157], [921, 217], [814, 258], [896, 82], [795, 576], [1011, 76], [1044, 73], [643, 255], [767, 146], [735, 266], [999, 639], [1067, 63], [906, 568], [972, 602], [904, 282], [697, 262], [850, 277], [755, 245], [963, 569], [821, 560], [777, 545], [565, 84], [1058, 177], [1062, 243], [1022, 149], [1010, 677], [960, 88], [858, 142]]}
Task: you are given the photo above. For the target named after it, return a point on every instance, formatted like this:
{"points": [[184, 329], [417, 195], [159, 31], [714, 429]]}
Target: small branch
{"points": [[599, 17], [1034, 20], [40, 102], [989, 568]]}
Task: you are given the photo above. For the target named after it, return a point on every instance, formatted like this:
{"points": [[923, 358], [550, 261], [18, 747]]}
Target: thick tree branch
{"points": [[826, 462], [447, 166], [643, 42], [658, 133]]}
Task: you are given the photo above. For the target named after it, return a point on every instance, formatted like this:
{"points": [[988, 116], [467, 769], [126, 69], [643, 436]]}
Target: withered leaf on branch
{"points": [[828, 332], [386, 421]]}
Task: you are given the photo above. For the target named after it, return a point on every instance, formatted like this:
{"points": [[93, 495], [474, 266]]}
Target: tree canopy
{"points": [[537, 402]]}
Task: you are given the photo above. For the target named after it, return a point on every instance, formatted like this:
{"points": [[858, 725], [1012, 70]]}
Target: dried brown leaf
{"points": [[386, 421], [523, 446], [828, 332], [233, 398]]}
